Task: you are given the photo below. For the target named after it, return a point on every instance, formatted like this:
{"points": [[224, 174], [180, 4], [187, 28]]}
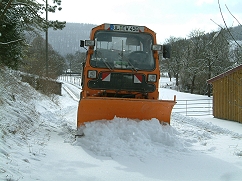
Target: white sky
{"points": [[166, 17]]}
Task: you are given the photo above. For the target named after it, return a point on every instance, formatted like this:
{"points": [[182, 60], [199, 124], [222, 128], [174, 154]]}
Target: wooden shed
{"points": [[227, 94]]}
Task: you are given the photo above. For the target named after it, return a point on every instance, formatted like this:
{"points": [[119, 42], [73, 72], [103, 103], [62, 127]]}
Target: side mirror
{"points": [[82, 43], [167, 51], [156, 47]]}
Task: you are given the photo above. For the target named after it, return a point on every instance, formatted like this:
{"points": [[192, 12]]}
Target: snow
{"points": [[38, 143]]}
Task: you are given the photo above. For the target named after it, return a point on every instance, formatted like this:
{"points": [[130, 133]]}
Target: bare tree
{"points": [[175, 63], [35, 59]]}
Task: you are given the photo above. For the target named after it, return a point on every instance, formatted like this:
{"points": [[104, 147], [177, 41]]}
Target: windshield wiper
{"points": [[106, 63], [132, 66]]}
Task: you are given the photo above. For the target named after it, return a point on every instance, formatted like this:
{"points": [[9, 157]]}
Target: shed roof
{"points": [[210, 81]]}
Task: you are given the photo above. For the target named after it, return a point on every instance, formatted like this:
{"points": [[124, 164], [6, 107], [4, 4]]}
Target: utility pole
{"points": [[209, 77], [46, 41]]}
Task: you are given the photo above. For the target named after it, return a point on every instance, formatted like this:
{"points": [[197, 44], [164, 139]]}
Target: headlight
{"points": [[152, 78], [92, 74]]}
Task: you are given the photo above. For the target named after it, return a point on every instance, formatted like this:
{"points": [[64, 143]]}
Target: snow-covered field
{"points": [[38, 143]]}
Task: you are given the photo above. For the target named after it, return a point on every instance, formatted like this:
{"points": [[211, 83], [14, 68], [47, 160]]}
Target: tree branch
{"points": [[232, 15], [14, 41], [227, 26]]}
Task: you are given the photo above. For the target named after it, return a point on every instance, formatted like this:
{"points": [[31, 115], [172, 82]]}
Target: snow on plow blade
{"points": [[92, 109]]}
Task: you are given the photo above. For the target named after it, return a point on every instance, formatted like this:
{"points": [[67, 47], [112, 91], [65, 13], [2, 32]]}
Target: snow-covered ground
{"points": [[38, 143]]}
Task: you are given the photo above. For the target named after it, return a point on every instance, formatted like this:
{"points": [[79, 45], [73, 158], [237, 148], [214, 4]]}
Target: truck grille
{"points": [[121, 81]]}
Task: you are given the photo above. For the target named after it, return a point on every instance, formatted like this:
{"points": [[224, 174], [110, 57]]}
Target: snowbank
{"points": [[124, 137]]}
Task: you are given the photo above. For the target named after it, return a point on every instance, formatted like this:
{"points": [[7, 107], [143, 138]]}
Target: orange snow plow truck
{"points": [[121, 75]]}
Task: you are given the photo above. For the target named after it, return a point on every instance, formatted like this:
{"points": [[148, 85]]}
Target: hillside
{"points": [[236, 32], [68, 40]]}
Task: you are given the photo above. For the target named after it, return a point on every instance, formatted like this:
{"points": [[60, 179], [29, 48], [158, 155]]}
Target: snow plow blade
{"points": [[97, 108]]}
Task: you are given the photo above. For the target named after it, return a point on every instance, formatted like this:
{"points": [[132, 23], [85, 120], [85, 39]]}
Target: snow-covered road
{"points": [[38, 143]]}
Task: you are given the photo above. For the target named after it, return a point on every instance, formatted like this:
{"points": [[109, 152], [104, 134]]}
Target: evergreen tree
{"points": [[17, 17]]}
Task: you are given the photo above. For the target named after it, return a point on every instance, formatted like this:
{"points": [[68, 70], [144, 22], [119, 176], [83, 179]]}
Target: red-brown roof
{"points": [[224, 74]]}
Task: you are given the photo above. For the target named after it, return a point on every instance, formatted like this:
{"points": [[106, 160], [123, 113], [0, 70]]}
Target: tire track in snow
{"points": [[73, 96]]}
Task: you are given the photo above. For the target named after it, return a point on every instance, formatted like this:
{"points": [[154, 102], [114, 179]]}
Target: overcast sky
{"points": [[166, 17]]}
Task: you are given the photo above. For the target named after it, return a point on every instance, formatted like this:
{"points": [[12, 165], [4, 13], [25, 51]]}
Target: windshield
{"points": [[122, 50]]}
